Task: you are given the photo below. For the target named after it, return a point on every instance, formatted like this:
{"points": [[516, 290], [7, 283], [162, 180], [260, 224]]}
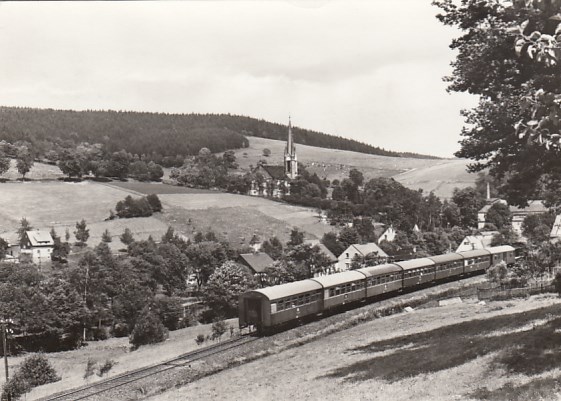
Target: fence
{"points": [[498, 293]]}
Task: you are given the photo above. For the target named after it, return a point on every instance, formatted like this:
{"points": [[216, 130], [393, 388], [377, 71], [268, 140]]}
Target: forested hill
{"points": [[160, 133]]}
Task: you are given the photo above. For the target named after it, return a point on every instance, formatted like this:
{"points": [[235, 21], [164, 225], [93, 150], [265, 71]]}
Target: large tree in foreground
{"points": [[509, 55]]}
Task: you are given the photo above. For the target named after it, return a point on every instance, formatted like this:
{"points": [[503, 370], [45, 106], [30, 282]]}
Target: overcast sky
{"points": [[368, 70]]}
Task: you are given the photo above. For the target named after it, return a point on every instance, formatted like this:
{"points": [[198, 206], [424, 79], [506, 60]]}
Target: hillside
{"points": [[158, 134], [439, 175]]}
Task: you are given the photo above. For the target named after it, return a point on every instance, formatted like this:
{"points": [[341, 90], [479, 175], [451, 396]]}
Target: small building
{"points": [[274, 183], [257, 262], [388, 235], [346, 258], [480, 241], [38, 244]]}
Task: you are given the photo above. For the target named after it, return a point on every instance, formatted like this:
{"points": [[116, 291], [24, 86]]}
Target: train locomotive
{"points": [[272, 307]]}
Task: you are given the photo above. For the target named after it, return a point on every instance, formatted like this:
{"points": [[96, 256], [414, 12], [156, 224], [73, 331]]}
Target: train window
{"points": [[332, 292], [353, 287]]}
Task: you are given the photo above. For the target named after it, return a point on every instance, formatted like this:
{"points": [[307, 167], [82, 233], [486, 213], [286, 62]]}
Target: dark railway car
{"points": [[417, 271], [382, 279], [342, 288], [448, 265], [274, 306], [502, 253], [476, 260]]}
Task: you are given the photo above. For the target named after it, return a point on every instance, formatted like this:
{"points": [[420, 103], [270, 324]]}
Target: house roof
{"points": [[258, 262], [332, 258], [534, 206], [275, 172], [480, 241], [40, 238], [365, 249], [556, 229]]}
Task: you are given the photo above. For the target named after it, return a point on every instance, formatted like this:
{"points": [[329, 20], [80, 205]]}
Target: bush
{"points": [[106, 367], [154, 203], [121, 330], [200, 339], [90, 368], [148, 329], [218, 329], [34, 371]]}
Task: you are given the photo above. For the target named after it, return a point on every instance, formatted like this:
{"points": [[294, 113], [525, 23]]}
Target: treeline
{"points": [[158, 134]]}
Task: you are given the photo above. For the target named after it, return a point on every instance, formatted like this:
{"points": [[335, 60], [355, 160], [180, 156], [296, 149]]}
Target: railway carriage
{"points": [[417, 271], [504, 253], [342, 288], [277, 305], [476, 260], [448, 265], [382, 279]]}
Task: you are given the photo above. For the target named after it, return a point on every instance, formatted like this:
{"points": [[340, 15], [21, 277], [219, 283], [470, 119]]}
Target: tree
{"points": [[4, 163], [509, 55], [332, 243], [24, 161], [106, 236], [273, 247], [82, 233], [296, 237], [127, 237], [148, 329], [469, 202], [225, 285], [154, 203], [25, 226], [60, 251], [3, 248], [356, 177], [498, 273], [499, 215], [34, 371], [537, 227]]}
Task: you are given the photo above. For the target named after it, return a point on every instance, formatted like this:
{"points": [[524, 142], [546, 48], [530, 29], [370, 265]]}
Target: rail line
{"points": [[123, 379]]}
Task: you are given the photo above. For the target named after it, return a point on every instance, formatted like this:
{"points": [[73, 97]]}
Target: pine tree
{"points": [[82, 233]]}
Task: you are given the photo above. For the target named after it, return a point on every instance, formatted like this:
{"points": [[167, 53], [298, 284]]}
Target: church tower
{"points": [[290, 161]]}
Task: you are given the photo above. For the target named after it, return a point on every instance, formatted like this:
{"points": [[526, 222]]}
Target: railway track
{"points": [[95, 389]]}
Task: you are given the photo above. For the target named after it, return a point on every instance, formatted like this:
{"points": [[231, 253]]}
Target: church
{"points": [[274, 181]]}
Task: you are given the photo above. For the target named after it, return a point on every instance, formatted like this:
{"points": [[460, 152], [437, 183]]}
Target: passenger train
{"points": [[271, 307]]}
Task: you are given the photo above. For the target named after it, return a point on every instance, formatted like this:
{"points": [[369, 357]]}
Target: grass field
{"points": [[39, 171], [504, 350]]}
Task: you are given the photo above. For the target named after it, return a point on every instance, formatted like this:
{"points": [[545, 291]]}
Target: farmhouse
{"points": [[257, 262], [481, 241], [346, 258], [38, 244], [518, 214], [274, 181]]}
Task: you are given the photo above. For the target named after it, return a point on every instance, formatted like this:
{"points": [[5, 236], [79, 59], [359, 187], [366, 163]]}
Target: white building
{"points": [[346, 258], [388, 235], [480, 241], [39, 245]]}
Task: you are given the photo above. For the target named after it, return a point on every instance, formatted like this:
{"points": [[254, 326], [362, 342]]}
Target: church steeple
{"points": [[290, 160]]}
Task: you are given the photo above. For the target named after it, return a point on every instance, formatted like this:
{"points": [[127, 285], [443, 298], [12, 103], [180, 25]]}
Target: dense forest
{"points": [[158, 133]]}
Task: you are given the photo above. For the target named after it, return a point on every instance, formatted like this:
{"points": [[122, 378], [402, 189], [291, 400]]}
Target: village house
{"points": [[387, 235], [480, 241], [518, 214], [346, 258], [38, 246], [332, 268], [257, 262]]}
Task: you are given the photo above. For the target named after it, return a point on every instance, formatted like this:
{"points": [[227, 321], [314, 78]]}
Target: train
{"points": [[270, 308]]}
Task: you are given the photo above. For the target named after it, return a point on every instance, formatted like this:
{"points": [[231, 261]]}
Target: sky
{"points": [[368, 70]]}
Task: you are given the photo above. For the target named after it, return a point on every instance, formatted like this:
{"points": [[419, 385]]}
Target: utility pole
{"points": [[5, 329]]}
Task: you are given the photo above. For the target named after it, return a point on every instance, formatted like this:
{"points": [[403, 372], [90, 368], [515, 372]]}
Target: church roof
{"points": [[275, 172]]}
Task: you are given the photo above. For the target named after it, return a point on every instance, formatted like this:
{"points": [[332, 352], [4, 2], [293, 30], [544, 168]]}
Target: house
{"points": [[480, 241], [555, 234], [332, 268], [257, 262], [38, 245], [519, 214], [346, 258], [388, 235]]}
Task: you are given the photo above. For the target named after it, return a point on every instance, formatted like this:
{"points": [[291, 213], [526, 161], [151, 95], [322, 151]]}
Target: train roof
{"points": [[288, 289], [380, 269], [339, 278], [414, 263], [500, 249], [448, 257], [475, 253]]}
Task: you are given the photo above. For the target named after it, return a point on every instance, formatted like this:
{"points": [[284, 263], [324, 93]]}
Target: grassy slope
{"points": [[440, 175], [500, 351]]}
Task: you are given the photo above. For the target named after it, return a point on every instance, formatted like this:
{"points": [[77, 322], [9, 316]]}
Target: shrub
{"points": [[200, 339], [34, 371], [148, 329], [121, 330], [90, 368], [106, 367], [154, 203], [218, 329]]}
